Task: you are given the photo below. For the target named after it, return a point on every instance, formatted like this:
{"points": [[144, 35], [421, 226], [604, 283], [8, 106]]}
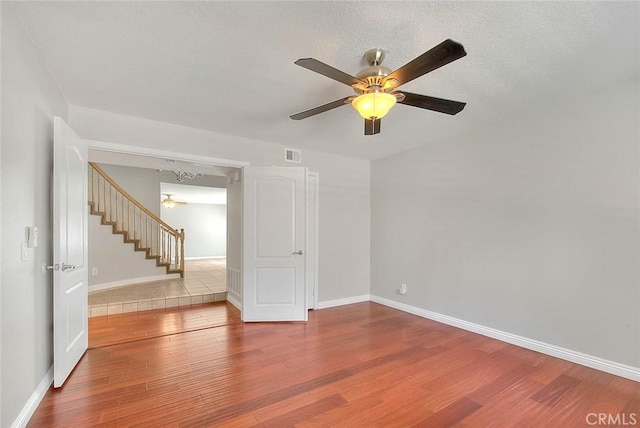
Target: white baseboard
{"points": [[597, 363], [205, 257], [235, 302], [115, 284], [344, 301], [32, 404]]}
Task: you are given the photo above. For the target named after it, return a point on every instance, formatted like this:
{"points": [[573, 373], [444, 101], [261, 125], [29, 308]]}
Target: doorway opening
{"points": [[155, 241], [124, 298]]}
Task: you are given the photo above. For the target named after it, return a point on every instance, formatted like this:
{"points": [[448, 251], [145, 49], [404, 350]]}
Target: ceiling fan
{"points": [[376, 85], [170, 203]]}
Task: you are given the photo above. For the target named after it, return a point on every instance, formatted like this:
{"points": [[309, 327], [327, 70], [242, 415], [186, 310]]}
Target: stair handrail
{"points": [[135, 201]]}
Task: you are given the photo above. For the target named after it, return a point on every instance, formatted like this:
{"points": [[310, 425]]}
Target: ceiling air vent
{"points": [[292, 155]]}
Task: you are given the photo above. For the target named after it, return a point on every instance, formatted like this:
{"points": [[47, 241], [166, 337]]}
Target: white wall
{"points": [[530, 227], [344, 250], [117, 262], [30, 99], [141, 183], [205, 228]]}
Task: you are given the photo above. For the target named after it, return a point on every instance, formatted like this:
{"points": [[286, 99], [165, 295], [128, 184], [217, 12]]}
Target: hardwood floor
{"points": [[359, 365], [129, 327]]}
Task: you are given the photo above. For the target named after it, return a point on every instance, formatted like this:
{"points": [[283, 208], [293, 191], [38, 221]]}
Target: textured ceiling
{"points": [[228, 66]]}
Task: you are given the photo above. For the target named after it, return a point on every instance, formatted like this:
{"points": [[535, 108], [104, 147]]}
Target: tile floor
{"points": [[204, 281]]}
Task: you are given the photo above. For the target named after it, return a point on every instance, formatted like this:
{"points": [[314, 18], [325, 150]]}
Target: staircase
{"points": [[138, 226]]}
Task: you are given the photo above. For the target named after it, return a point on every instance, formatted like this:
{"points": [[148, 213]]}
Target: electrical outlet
{"points": [[402, 289], [94, 271]]}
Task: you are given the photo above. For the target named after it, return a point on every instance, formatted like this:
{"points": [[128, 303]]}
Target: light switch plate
{"points": [[32, 237], [23, 252]]}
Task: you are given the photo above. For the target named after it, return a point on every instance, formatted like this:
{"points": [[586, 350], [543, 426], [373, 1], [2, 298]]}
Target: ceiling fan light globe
{"points": [[168, 203], [373, 105]]}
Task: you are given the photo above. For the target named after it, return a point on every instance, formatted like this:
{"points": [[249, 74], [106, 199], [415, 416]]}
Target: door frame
{"points": [[313, 210], [162, 154]]}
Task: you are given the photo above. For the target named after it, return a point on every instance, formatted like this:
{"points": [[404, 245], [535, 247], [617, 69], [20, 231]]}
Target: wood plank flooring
{"points": [[360, 365], [132, 326]]}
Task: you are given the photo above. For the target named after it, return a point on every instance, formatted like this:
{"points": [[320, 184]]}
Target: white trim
{"points": [[597, 363], [122, 283], [315, 234], [32, 404], [234, 285], [344, 301], [232, 299], [164, 154], [205, 257]]}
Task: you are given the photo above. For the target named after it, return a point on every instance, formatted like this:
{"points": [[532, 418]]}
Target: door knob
{"points": [[66, 267], [298, 253]]}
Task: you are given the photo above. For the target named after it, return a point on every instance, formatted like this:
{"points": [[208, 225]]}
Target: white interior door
{"points": [[70, 279], [274, 244]]}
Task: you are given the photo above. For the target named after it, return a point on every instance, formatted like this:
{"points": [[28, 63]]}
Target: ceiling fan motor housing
{"points": [[374, 74]]}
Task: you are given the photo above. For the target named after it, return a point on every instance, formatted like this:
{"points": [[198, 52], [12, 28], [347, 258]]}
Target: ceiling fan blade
{"points": [[371, 127], [434, 58], [320, 109], [326, 70], [432, 103]]}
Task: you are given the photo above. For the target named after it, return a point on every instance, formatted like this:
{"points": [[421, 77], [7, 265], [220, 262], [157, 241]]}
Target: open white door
{"points": [[70, 279], [274, 234]]}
